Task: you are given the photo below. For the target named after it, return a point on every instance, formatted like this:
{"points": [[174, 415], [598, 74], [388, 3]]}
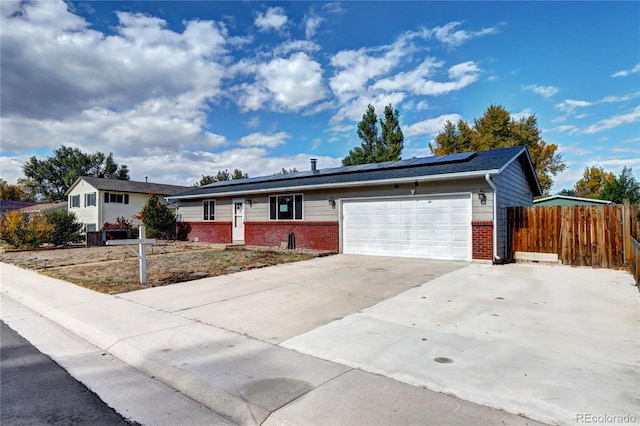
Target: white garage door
{"points": [[437, 227]]}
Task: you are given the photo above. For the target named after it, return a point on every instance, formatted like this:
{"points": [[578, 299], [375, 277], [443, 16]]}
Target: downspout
{"points": [[496, 258]]}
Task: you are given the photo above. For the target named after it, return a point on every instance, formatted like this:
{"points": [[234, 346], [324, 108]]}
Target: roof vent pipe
{"points": [[314, 164]]}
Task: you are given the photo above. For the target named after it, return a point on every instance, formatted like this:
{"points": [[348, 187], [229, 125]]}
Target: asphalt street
{"points": [[37, 391]]}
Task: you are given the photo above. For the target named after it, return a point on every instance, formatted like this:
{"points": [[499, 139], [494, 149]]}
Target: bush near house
{"points": [[21, 232], [67, 230], [158, 219]]}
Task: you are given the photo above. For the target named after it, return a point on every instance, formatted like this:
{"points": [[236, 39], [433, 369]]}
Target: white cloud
{"points": [[352, 111], [430, 126], [626, 73], [615, 121], [296, 82], [568, 105], [544, 91], [311, 24], [296, 46], [453, 37], [357, 67], [262, 140], [274, 18], [416, 80]]}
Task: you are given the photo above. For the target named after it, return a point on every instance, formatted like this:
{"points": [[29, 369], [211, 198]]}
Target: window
{"points": [[209, 210], [285, 207], [90, 199], [90, 227], [74, 200], [110, 197]]}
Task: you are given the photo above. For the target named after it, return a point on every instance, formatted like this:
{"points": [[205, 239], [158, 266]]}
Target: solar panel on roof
{"points": [[461, 156], [425, 160]]}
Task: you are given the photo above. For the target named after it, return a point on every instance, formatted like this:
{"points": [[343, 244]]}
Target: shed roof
{"points": [[102, 184], [565, 200], [443, 167], [41, 207]]}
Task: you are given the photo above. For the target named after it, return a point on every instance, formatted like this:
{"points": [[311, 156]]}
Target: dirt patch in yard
{"points": [[115, 269]]}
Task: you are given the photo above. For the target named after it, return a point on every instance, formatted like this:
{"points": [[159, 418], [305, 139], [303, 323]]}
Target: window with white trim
{"points": [[110, 197], [285, 207], [74, 201], [90, 227], [209, 210], [90, 199]]}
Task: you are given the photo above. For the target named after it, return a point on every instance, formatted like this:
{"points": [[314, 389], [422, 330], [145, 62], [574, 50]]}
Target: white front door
{"points": [[238, 220]]}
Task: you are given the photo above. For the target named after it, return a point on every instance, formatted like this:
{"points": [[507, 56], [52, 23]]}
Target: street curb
{"points": [[216, 399]]}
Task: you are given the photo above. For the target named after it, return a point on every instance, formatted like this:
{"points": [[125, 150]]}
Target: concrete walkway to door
{"points": [[274, 304]]}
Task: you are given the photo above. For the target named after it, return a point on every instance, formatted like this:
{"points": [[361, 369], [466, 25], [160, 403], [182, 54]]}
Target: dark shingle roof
{"points": [[435, 166], [102, 184]]}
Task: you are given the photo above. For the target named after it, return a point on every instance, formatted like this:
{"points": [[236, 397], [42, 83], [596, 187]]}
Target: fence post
{"points": [[626, 229]]}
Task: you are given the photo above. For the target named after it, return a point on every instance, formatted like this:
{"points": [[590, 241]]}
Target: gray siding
{"points": [[191, 211], [513, 190], [318, 209]]}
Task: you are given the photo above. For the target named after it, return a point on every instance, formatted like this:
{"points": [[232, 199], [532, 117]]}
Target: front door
{"points": [[238, 220]]}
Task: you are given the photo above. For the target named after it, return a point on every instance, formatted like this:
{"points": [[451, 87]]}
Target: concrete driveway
{"points": [[555, 343], [277, 303]]}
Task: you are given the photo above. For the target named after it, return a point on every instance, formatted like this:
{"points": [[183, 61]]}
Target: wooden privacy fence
{"points": [[579, 235]]}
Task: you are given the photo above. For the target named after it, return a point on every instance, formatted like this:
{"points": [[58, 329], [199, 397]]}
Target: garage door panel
{"points": [[435, 227]]}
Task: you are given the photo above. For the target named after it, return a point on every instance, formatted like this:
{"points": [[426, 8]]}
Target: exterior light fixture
{"points": [[416, 183], [482, 197], [413, 190], [249, 203], [332, 202]]}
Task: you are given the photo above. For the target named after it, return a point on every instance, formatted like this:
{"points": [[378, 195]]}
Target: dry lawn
{"points": [[115, 269]]}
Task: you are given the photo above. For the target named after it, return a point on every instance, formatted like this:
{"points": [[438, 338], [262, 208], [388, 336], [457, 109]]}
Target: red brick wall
{"points": [[210, 232], [482, 240], [311, 235]]}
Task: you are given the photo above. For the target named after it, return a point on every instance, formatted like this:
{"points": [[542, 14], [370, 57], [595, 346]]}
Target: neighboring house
{"points": [[440, 207], [7, 206], [564, 200], [39, 208], [96, 201]]}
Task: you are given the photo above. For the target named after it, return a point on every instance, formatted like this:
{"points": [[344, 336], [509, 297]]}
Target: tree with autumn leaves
{"points": [[498, 129]]}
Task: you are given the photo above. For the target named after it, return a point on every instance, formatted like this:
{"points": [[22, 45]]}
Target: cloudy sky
{"points": [[177, 90]]}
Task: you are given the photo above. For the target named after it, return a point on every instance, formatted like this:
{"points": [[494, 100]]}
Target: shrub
{"points": [[67, 228], [158, 219], [21, 232], [121, 223]]}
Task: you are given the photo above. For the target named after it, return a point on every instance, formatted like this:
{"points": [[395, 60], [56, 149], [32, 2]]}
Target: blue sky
{"points": [[177, 90]]}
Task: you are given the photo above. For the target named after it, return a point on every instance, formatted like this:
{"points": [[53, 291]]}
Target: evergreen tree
{"points": [[623, 187], [159, 220], [376, 148], [67, 230]]}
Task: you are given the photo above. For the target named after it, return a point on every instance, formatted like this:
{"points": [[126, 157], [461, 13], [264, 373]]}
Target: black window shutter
{"points": [[273, 208], [126, 198], [298, 207]]}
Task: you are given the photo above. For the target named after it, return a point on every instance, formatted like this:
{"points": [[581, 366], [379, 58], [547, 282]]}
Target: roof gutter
{"points": [[451, 176], [487, 177]]}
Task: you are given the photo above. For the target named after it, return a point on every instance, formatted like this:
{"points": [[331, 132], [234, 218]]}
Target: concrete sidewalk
{"points": [[245, 380]]}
